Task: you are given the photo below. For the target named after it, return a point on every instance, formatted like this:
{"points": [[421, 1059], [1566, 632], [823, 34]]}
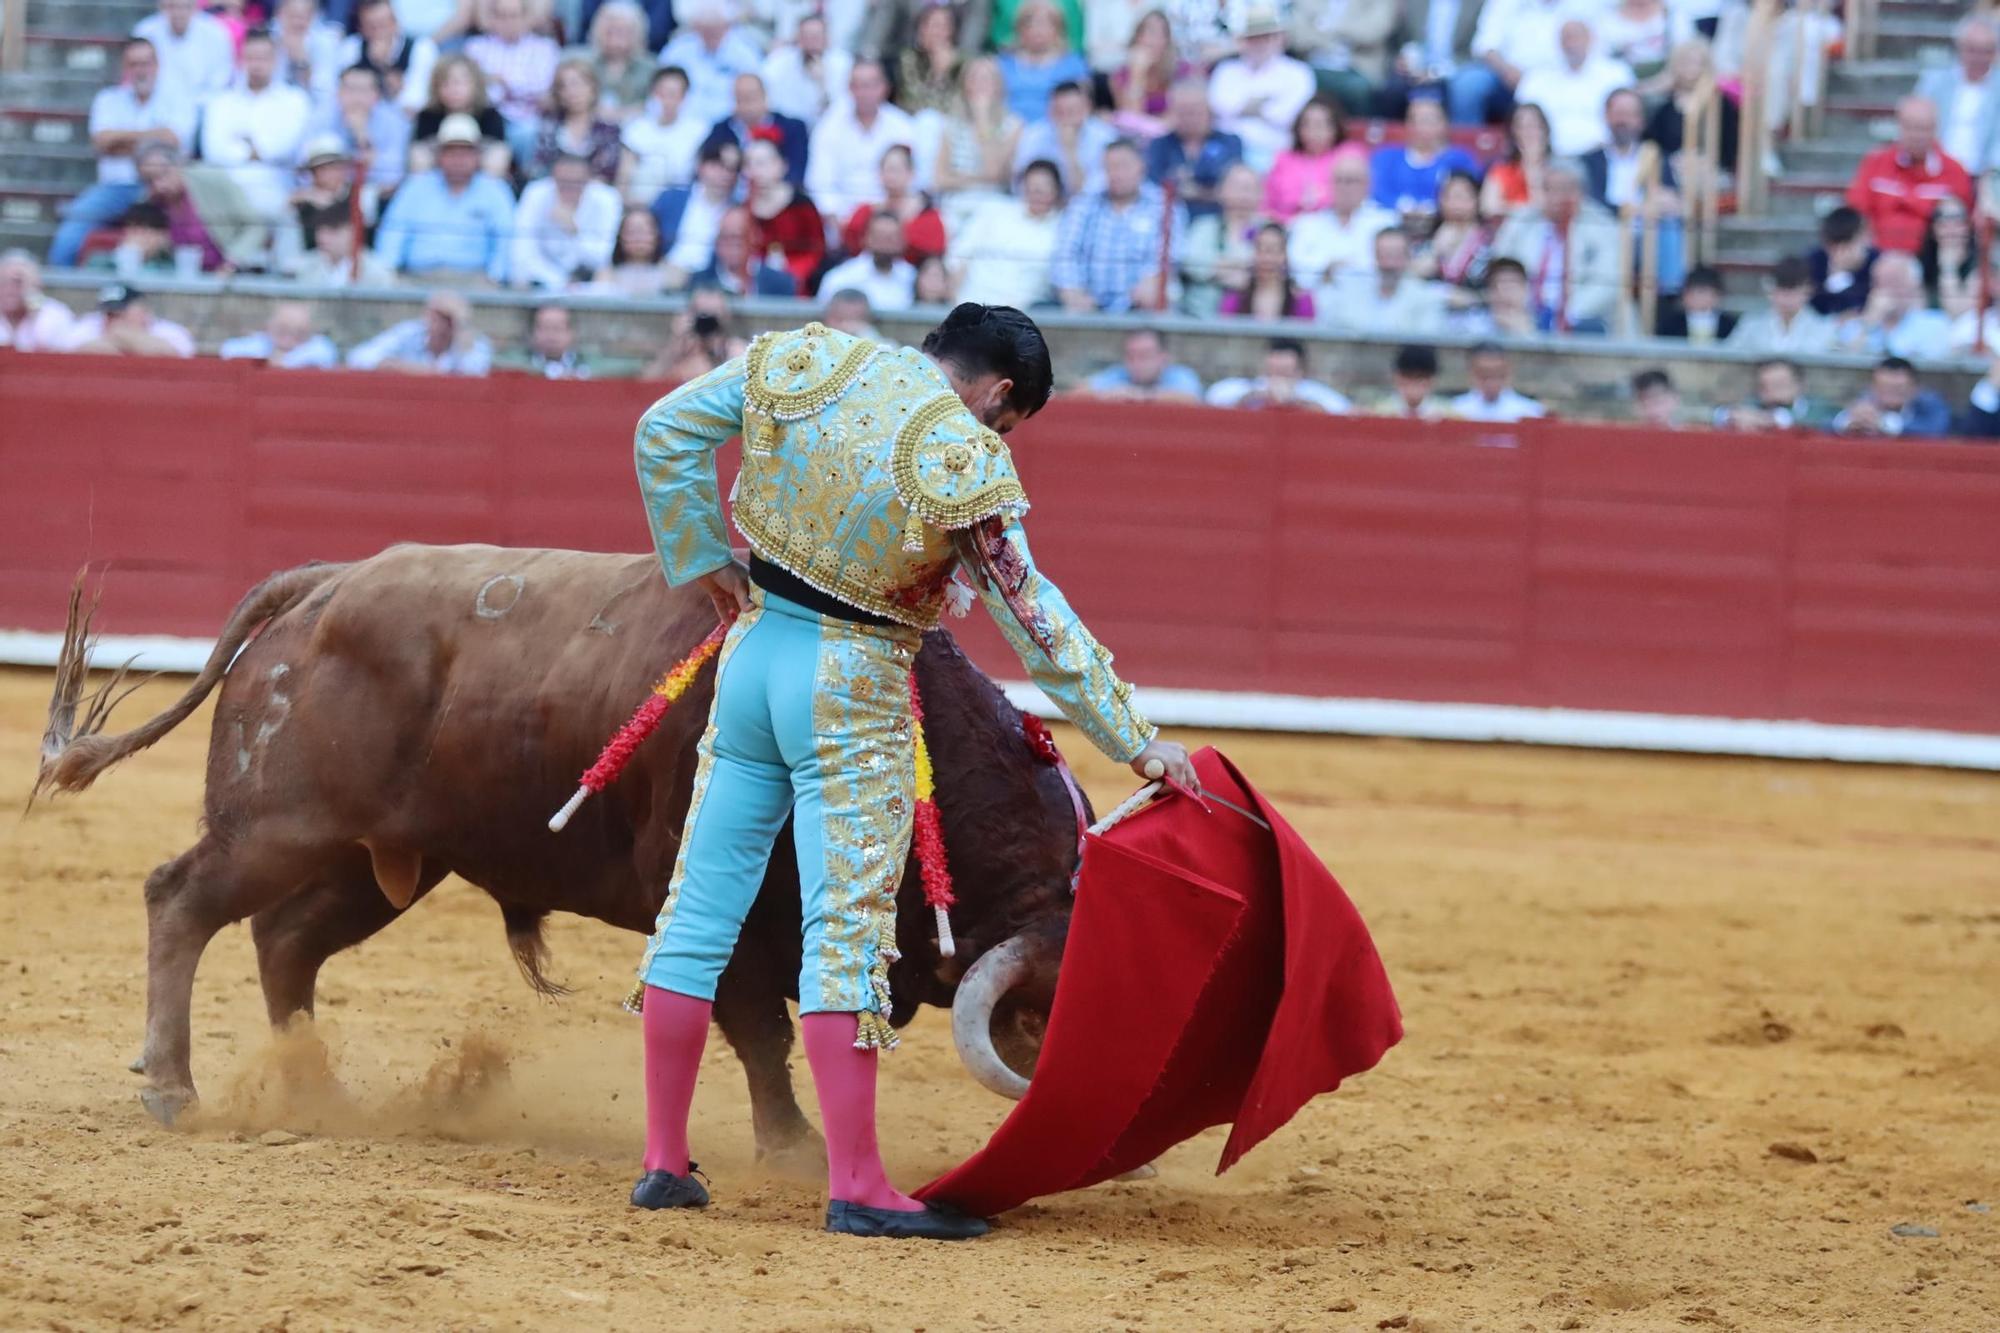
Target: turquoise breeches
{"points": [[812, 719]]}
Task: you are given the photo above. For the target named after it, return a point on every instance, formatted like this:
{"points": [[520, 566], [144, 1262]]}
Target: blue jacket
{"points": [[765, 280], [793, 138]]}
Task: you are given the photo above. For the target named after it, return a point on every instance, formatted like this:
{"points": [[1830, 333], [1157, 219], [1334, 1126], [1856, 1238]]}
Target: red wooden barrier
{"points": [[1554, 564]]}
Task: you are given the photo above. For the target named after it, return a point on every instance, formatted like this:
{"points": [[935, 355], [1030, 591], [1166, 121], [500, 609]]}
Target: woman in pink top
{"points": [[1299, 181], [1270, 294]]}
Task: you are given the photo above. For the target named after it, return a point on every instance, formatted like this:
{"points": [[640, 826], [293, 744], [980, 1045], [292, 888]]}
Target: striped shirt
{"points": [[522, 70]]}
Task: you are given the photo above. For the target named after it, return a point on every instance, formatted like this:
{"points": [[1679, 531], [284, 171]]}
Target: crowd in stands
{"points": [[1322, 162]]}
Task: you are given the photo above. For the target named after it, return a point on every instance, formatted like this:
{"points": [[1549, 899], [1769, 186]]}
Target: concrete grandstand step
{"points": [[1912, 37], [105, 17], [43, 125], [22, 205], [75, 52], [54, 166], [1884, 80], [1769, 236], [1805, 196], [1811, 158], [54, 87]]}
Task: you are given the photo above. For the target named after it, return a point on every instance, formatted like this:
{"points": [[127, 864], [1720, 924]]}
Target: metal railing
{"points": [[1639, 220], [1701, 170]]}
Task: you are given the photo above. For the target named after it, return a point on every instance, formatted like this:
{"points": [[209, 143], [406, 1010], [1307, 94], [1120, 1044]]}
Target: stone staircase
{"points": [[45, 157]]}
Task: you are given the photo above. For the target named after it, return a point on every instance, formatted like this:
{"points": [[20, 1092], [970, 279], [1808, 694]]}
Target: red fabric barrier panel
{"points": [[1551, 564]]}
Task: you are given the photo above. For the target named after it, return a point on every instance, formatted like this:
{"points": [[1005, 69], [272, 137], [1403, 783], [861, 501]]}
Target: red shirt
{"points": [[923, 235], [1897, 194], [798, 231]]}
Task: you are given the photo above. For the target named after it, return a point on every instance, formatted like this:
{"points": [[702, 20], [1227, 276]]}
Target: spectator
{"points": [[1070, 137], [1895, 322], [205, 211], [1777, 402], [1967, 94], [458, 88], [1385, 296], [1436, 43], [637, 260], [662, 141], [254, 131], [690, 215], [441, 341], [753, 118], [520, 69], [739, 268], [1413, 382], [1268, 292], [1299, 180], [1146, 374], [658, 16], [124, 325], [1638, 35], [1005, 253], [808, 76], [443, 21], [617, 56], [1982, 409], [1896, 186], [1341, 235], [847, 312], [1655, 401], [1690, 81], [1895, 405], [401, 62], [1788, 325], [1040, 59], [145, 245], [1950, 261], [923, 229], [451, 221], [332, 261], [132, 113], [372, 131], [197, 56], [927, 69], [29, 320], [879, 271], [892, 26], [286, 341], [1110, 251], [703, 338], [1258, 94], [1347, 44], [783, 219], [1460, 246], [1570, 245], [329, 184], [714, 51], [1220, 245], [934, 285], [1407, 176], [1841, 262], [1515, 182], [848, 142], [1143, 81], [1514, 38], [1572, 92], [1612, 175], [977, 143], [1509, 310], [307, 49], [1492, 396], [1192, 153], [1283, 385], [1698, 317], [576, 126], [565, 227], [551, 350]]}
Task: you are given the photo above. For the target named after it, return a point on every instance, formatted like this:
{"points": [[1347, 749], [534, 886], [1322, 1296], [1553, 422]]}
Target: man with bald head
{"points": [[753, 118], [1899, 184], [1967, 95]]}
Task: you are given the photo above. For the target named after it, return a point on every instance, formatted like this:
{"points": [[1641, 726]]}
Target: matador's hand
{"points": [[1168, 760], [729, 589]]}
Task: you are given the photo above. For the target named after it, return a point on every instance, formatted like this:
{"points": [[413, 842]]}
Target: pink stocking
{"points": [[845, 1079], [676, 1030]]}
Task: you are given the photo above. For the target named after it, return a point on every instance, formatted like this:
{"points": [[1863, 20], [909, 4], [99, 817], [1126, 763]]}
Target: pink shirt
{"points": [[1298, 183]]}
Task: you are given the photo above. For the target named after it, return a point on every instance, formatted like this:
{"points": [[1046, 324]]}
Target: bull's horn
{"points": [[998, 971]]}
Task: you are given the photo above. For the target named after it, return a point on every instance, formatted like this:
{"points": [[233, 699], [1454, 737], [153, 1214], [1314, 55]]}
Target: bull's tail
{"points": [[74, 751], [531, 951]]}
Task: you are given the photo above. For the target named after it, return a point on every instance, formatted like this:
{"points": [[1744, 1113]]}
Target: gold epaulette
{"points": [[795, 375], [951, 471]]}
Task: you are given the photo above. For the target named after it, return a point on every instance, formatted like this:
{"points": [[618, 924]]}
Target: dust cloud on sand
{"points": [[1693, 1043]]}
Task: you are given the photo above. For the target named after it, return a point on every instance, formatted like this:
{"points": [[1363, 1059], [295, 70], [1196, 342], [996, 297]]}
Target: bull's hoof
{"points": [[138, 1065], [803, 1159], [1146, 1172], [166, 1104]]}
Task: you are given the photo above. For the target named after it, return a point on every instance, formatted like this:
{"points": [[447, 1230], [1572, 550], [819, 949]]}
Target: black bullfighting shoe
{"points": [[931, 1223], [664, 1189]]}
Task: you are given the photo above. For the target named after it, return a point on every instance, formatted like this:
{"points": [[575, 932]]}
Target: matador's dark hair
{"points": [[996, 340]]}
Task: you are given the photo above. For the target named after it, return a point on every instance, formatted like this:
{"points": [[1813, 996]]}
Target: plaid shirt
{"points": [[1106, 250], [526, 67]]}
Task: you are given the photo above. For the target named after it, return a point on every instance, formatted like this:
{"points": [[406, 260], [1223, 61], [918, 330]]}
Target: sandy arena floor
{"points": [[1627, 980]]}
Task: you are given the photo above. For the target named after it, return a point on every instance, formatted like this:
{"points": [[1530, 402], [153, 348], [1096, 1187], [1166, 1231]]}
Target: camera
{"points": [[707, 325]]}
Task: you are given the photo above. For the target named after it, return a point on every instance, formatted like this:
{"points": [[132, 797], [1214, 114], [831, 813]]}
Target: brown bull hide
{"points": [[422, 712]]}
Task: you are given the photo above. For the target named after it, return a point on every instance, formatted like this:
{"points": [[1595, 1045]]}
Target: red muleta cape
{"points": [[1214, 972]]}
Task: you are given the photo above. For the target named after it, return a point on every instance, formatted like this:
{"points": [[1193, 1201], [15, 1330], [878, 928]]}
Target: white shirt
{"points": [[1231, 392], [894, 290], [421, 18], [1574, 101], [1320, 240], [1004, 254], [116, 108], [1509, 406], [692, 247], [1960, 124], [256, 136], [315, 353], [200, 62], [548, 255], [1259, 105], [797, 94], [89, 328], [663, 155], [711, 94], [46, 327], [844, 161], [1525, 33], [1621, 175]]}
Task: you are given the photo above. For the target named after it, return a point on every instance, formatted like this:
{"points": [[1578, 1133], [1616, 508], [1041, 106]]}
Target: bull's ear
{"points": [[396, 873]]}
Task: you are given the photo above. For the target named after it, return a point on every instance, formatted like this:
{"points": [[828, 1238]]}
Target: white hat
{"points": [[324, 149], [459, 128], [1260, 20]]}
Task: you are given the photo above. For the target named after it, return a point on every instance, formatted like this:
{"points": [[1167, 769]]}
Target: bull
{"points": [[385, 723]]}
